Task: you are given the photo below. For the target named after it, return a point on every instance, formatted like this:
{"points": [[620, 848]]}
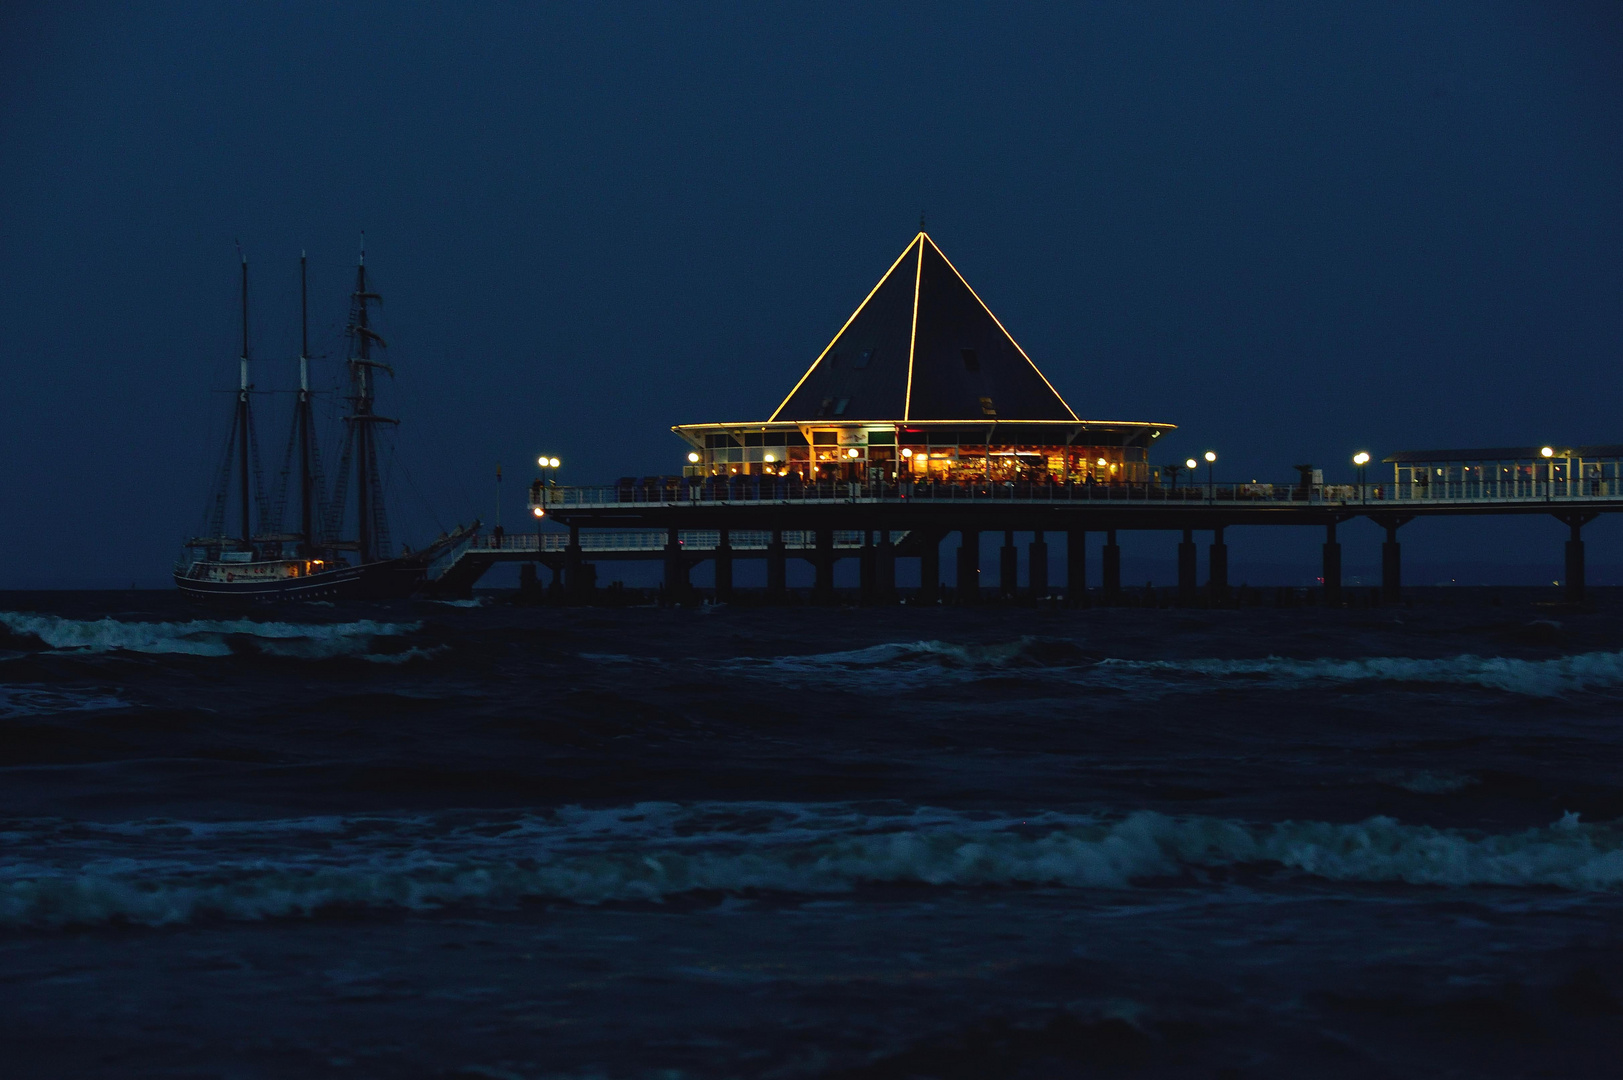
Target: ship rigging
{"points": [[317, 561]]}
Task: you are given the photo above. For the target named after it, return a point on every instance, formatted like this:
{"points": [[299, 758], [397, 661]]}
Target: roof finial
{"points": [[921, 221], [363, 246]]}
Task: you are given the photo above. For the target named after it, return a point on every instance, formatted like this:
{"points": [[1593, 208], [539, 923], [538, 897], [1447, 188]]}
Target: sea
{"points": [[486, 839]]}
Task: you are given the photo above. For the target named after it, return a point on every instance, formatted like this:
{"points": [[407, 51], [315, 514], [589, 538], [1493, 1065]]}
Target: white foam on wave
{"points": [[166, 872], [909, 663], [203, 637]]}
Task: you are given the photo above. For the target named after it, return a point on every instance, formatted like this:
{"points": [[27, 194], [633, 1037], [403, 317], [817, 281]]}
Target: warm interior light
{"points": [[538, 512], [770, 458], [1361, 458], [1103, 463], [907, 451], [853, 452], [1211, 455], [1548, 451], [693, 456], [1190, 464]]}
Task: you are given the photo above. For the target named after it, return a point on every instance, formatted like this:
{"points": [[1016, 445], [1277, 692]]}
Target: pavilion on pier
{"points": [[924, 383]]}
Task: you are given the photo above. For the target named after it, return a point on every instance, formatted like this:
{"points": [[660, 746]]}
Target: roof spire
{"points": [[921, 221]]}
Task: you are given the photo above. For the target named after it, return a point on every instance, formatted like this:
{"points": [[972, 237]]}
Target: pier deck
{"points": [[684, 523]]}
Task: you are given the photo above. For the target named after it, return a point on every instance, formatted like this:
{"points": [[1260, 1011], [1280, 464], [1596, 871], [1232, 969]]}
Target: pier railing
{"points": [[685, 492], [653, 540]]}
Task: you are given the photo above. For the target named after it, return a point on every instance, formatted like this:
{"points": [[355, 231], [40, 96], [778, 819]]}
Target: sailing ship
{"points": [[314, 561]]}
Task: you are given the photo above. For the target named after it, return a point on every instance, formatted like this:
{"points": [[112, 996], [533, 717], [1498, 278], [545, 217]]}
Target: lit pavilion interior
{"points": [[923, 383]]}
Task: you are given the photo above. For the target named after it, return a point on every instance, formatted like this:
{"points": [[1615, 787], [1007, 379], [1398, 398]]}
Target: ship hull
{"points": [[391, 579]]}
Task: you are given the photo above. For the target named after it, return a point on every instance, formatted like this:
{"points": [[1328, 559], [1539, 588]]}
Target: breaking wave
{"points": [[154, 873], [204, 637], [916, 661]]}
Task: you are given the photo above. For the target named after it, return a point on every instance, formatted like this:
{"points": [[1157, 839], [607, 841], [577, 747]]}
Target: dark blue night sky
{"points": [[1296, 231]]}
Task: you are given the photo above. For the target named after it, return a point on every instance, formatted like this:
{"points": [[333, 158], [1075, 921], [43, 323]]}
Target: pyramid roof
{"points": [[923, 346]]}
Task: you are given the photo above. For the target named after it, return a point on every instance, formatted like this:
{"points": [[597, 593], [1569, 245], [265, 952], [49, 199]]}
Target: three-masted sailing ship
{"points": [[314, 561]]}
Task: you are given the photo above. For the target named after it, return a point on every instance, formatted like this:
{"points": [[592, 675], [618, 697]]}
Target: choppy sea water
{"points": [[451, 840]]}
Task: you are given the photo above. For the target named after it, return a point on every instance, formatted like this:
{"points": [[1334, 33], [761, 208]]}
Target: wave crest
{"points": [[911, 662], [166, 873], [203, 637]]}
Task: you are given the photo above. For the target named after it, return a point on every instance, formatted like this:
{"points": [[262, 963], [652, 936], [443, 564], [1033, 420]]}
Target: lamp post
{"points": [[1191, 464], [546, 463], [1211, 481], [1361, 459]]}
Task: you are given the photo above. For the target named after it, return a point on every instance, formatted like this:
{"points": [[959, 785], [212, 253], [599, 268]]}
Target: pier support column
{"points": [[885, 569], [824, 564], [1391, 565], [1111, 567], [1076, 568], [676, 568], [1008, 566], [574, 559], [1332, 567], [1186, 569], [969, 566], [866, 569], [1217, 562], [930, 570], [1575, 555], [1037, 566], [724, 567], [777, 569]]}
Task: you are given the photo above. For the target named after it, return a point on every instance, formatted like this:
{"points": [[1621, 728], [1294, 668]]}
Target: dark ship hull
{"points": [[392, 579]]}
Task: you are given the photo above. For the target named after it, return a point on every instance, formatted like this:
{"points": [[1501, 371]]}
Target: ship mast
{"points": [[242, 414], [371, 535], [306, 507]]}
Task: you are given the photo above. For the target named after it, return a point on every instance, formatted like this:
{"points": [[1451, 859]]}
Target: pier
{"points": [[923, 420]]}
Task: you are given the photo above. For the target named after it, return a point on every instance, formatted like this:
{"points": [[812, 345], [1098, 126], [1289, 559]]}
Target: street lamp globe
{"points": [[1211, 456], [1190, 464], [1548, 451], [693, 457], [1361, 458]]}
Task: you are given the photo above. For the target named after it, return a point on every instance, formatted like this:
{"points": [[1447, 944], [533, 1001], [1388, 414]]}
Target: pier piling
{"points": [[867, 568], [1391, 562], [930, 569], [1008, 566], [1037, 565], [676, 567], [1186, 569], [1332, 567], [885, 568], [777, 569], [1110, 565], [1076, 568], [724, 566], [1217, 561], [1575, 554], [969, 567], [823, 561]]}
